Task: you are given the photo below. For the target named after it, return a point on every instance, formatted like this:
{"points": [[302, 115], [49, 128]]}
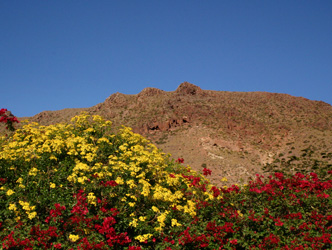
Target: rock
{"points": [[116, 98], [150, 92], [187, 88]]}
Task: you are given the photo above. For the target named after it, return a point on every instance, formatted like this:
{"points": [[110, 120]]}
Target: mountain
{"points": [[232, 133]]}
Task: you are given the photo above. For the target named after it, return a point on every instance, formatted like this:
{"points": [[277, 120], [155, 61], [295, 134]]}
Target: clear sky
{"points": [[71, 54]]}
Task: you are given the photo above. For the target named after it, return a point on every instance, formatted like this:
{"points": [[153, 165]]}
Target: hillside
{"points": [[232, 133]]}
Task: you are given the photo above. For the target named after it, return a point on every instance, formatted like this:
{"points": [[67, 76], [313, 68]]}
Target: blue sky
{"points": [[72, 54]]}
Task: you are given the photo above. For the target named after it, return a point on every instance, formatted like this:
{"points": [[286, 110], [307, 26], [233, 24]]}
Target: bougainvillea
{"points": [[8, 120]]}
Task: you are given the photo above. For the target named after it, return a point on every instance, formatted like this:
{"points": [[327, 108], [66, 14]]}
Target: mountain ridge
{"points": [[232, 133]]}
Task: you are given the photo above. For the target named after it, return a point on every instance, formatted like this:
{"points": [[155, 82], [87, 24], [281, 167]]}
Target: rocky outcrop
{"points": [[116, 98], [150, 92], [163, 126], [187, 88]]}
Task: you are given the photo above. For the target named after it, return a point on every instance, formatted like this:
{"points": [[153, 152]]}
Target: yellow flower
{"points": [[131, 183], [143, 238], [71, 178], [239, 213], [52, 185], [119, 180], [82, 179], [133, 223], [132, 204], [141, 218], [74, 237], [19, 180], [52, 157], [224, 179], [26, 206], [133, 197], [89, 130], [12, 207], [103, 139], [10, 192], [97, 118], [92, 199], [161, 219], [155, 209], [33, 171], [175, 223], [32, 215]]}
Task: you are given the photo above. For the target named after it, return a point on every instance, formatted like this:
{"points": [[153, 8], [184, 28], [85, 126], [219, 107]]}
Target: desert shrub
{"points": [[305, 163]]}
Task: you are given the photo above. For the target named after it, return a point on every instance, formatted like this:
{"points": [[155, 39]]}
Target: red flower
{"points": [[207, 171], [195, 182], [180, 160], [323, 195], [2, 111], [234, 242], [279, 223], [266, 210], [216, 191], [111, 183], [58, 246], [280, 176]]}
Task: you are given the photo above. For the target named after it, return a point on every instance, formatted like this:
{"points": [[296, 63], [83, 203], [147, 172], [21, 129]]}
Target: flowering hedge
{"points": [[83, 186]]}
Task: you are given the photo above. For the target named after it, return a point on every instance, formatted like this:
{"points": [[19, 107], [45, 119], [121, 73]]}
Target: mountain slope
{"points": [[232, 133]]}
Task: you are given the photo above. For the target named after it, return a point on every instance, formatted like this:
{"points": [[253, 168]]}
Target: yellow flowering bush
{"points": [[68, 175]]}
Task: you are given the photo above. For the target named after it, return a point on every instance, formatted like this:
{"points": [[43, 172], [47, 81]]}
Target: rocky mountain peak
{"points": [[187, 88], [150, 92]]}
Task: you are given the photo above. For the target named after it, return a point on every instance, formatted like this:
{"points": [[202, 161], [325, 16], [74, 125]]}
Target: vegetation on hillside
{"points": [[308, 161]]}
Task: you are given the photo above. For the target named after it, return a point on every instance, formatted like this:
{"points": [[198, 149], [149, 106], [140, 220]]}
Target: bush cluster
{"points": [[84, 186]]}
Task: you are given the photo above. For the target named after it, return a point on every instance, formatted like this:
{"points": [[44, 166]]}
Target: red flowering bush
{"points": [[8, 119], [81, 186]]}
